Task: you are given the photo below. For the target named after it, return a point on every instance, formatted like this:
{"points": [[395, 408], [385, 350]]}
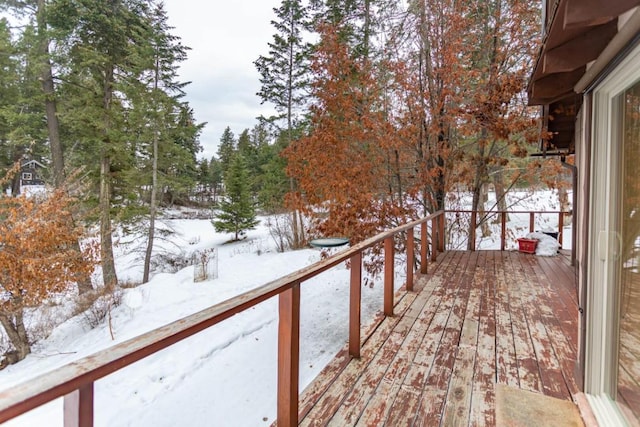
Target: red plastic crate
{"points": [[528, 246]]}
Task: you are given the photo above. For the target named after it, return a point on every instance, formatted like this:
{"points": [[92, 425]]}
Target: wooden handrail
{"points": [[503, 221], [75, 380]]}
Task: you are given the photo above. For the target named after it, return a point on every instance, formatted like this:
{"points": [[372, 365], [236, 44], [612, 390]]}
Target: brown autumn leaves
{"points": [[441, 107]]}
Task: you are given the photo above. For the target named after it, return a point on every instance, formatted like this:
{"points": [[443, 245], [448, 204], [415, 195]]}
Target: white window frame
{"points": [[27, 176], [601, 339]]}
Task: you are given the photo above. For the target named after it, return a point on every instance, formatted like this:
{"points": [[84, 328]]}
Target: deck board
{"points": [[477, 319], [482, 399]]}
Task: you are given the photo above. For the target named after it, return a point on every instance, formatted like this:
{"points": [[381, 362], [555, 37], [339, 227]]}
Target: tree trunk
{"points": [[398, 174], [154, 189], [53, 125], [46, 77], [565, 206], [106, 243], [15, 184], [15, 330], [152, 211], [297, 229], [475, 203], [482, 213], [501, 194]]}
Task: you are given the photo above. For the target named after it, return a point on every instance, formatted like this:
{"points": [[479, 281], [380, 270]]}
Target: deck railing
{"points": [[503, 223], [75, 381]]}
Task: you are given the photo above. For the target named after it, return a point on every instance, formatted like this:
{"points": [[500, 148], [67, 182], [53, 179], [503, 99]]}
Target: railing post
{"points": [[532, 216], [410, 257], [424, 246], [434, 239], [472, 232], [288, 355], [354, 305], [503, 230], [560, 227], [441, 233], [388, 276], [78, 407]]}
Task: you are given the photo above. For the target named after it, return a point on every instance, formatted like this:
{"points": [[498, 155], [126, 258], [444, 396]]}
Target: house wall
{"points": [[583, 161]]}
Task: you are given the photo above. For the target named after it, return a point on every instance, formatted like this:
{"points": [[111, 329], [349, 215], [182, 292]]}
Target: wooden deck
{"points": [[477, 319]]}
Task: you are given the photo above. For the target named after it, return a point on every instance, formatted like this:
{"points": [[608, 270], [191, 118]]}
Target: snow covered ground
{"points": [[224, 376], [225, 373]]}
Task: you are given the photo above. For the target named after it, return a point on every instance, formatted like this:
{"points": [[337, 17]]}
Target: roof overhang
{"points": [[577, 32]]}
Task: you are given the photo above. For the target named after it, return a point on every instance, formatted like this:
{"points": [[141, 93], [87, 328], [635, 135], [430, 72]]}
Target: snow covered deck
{"points": [[476, 320]]}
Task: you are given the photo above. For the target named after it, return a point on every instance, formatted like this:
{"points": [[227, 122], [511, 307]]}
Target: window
{"points": [[612, 355]]}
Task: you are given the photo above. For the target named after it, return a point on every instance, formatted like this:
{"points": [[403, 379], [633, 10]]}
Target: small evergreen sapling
{"points": [[237, 212]]}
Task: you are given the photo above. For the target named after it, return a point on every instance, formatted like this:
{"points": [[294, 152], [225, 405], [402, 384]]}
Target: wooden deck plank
{"points": [[433, 318], [506, 363], [333, 396], [442, 372], [457, 409], [478, 318], [483, 394], [437, 325], [367, 386], [553, 383], [554, 314], [563, 291], [379, 405], [364, 387], [562, 272], [528, 373]]}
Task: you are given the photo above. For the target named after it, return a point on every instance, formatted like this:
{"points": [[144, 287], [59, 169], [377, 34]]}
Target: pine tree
{"points": [[226, 148], [273, 182], [237, 211], [21, 104], [215, 177], [285, 81], [107, 44], [353, 18], [9, 77], [158, 107], [284, 73]]}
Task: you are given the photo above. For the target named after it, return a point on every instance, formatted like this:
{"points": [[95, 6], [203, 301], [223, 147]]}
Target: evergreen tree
{"points": [[272, 182], [244, 143], [108, 45], [177, 162], [21, 107], [204, 186], [284, 73], [285, 81], [215, 177], [10, 93], [226, 148], [237, 211], [248, 148], [161, 119]]}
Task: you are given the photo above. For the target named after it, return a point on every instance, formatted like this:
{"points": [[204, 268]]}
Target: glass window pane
{"points": [[628, 395]]}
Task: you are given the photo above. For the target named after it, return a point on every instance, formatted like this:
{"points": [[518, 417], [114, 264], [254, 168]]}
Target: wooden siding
{"points": [[477, 319]]}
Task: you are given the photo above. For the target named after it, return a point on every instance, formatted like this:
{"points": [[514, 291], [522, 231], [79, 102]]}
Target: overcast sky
{"points": [[225, 37]]}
